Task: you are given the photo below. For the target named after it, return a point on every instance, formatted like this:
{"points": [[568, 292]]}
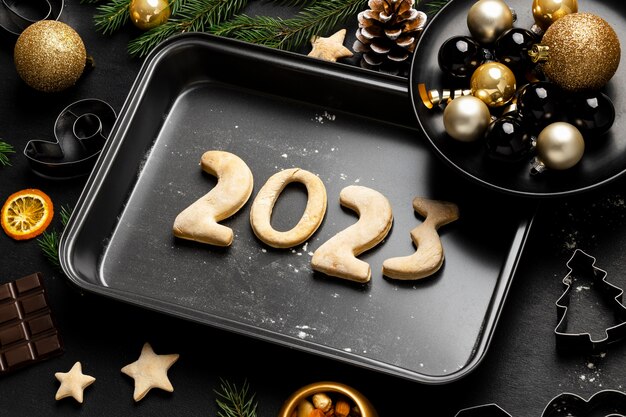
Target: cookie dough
{"points": [[429, 256], [199, 221], [337, 256], [263, 204]]}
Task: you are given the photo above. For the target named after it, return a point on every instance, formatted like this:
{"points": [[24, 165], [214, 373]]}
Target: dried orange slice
{"points": [[26, 214]]}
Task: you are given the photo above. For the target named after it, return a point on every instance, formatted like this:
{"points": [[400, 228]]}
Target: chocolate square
{"points": [[28, 333]]}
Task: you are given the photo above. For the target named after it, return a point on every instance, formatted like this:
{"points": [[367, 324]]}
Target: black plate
{"points": [[600, 164]]}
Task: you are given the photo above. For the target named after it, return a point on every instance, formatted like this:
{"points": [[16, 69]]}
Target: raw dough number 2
{"points": [[337, 257], [234, 185]]}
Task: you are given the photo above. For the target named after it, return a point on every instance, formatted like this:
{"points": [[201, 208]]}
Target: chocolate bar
{"points": [[28, 333]]}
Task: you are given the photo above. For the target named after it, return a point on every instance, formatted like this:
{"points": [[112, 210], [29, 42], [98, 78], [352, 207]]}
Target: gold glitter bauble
{"points": [[493, 83], [546, 12], [580, 52], [148, 14], [488, 19], [49, 56]]}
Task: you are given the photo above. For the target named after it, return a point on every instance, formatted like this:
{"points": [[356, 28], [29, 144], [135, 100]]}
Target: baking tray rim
{"points": [[109, 153]]}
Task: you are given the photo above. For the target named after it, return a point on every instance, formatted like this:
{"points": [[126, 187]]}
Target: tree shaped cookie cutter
{"points": [[80, 132], [582, 263]]}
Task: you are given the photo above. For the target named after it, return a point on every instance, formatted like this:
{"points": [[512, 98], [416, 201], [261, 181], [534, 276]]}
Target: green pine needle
{"points": [[431, 8], [190, 16], [233, 402], [49, 240], [5, 149], [316, 19], [111, 16]]}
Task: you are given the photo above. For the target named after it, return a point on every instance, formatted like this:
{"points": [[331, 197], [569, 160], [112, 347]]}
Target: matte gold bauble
{"points": [[488, 19], [579, 52], [148, 14], [493, 83], [560, 146], [49, 56], [546, 12], [466, 118]]}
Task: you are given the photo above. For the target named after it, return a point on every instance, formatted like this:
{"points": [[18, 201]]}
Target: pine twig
{"points": [[49, 240], [431, 8], [111, 16], [291, 34], [233, 402], [5, 149], [190, 16]]}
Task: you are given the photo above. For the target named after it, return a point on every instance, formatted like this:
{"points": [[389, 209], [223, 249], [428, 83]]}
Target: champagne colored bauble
{"points": [[466, 118], [560, 146], [546, 12], [493, 83], [488, 19], [49, 56], [579, 52], [148, 14]]}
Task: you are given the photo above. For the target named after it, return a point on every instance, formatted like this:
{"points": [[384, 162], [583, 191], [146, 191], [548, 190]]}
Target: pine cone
{"points": [[388, 33]]}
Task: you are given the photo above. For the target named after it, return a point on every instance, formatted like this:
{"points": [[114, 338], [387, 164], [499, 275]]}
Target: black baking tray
{"points": [[279, 110]]}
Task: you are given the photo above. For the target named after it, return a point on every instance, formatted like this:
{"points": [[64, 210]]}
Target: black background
{"points": [[521, 372]]}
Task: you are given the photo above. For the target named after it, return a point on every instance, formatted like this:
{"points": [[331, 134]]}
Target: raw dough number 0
{"points": [[261, 210]]}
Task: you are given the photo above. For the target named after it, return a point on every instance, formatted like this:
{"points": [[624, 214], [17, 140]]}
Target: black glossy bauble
{"points": [[511, 48], [459, 56], [507, 140], [540, 104], [592, 113]]}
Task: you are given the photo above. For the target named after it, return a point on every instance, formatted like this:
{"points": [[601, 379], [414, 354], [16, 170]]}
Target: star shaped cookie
{"points": [[150, 371], [331, 48], [73, 383]]}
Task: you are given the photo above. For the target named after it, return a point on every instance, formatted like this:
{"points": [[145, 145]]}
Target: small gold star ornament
{"points": [[331, 48], [150, 371], [73, 383]]}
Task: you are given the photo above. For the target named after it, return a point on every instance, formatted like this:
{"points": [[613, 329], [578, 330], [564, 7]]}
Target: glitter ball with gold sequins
{"points": [[50, 56], [578, 52]]}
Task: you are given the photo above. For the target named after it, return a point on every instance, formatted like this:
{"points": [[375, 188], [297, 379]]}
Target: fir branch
{"points": [[316, 19], [431, 8], [176, 5], [262, 30], [49, 240], [111, 16], [233, 402], [294, 3], [5, 149], [191, 16], [49, 245]]}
